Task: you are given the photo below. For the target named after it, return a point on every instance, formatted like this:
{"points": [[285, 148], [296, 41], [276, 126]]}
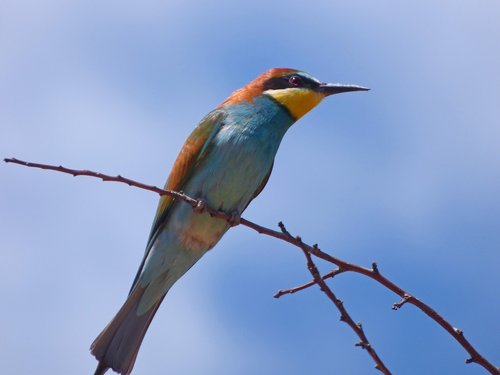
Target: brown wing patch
{"points": [[191, 152], [194, 148], [186, 158]]}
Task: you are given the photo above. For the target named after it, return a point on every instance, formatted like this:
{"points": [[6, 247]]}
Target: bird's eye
{"points": [[295, 81]]}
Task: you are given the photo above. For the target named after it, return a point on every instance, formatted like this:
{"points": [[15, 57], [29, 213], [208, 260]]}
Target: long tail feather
{"points": [[101, 369], [117, 345]]}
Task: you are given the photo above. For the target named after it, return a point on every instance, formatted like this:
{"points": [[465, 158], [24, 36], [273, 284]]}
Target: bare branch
{"points": [[375, 274], [296, 289], [308, 250], [344, 315]]}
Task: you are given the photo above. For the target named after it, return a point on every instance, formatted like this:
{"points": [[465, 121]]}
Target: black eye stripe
{"points": [[289, 81], [276, 83]]}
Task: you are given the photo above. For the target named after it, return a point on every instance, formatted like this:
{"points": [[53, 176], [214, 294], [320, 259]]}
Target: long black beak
{"points": [[337, 88]]}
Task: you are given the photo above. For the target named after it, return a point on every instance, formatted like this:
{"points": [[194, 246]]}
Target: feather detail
{"points": [[117, 345], [193, 150]]}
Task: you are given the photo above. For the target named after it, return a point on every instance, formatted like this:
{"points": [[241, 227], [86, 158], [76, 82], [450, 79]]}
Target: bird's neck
{"points": [[258, 125], [263, 114]]}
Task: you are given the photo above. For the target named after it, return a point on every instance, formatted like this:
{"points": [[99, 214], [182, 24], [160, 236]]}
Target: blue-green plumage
{"points": [[237, 159], [232, 165], [226, 162]]}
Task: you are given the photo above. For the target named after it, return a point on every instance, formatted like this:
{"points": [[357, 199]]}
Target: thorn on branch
{"points": [[475, 360], [398, 305], [283, 229], [363, 345]]}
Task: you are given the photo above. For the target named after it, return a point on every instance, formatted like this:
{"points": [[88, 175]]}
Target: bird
{"points": [[225, 162]]}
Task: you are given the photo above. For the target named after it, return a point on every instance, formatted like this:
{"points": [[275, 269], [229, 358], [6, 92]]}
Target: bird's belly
{"points": [[196, 232]]}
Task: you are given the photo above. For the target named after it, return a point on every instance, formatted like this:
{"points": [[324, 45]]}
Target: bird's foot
{"points": [[234, 219], [201, 206]]}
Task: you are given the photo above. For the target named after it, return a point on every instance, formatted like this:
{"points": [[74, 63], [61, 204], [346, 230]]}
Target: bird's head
{"points": [[297, 91]]}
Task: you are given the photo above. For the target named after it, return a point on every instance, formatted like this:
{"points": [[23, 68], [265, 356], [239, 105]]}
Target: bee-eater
{"points": [[225, 162]]}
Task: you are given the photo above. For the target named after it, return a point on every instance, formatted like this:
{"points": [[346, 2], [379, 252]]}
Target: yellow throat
{"points": [[298, 101]]}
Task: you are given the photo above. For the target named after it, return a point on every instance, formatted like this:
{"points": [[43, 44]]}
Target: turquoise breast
{"points": [[239, 159]]}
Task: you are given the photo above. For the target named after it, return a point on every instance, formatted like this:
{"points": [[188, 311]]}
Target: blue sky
{"points": [[407, 174]]}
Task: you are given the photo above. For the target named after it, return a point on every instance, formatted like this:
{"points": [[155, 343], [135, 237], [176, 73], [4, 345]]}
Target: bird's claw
{"points": [[201, 205], [234, 219]]}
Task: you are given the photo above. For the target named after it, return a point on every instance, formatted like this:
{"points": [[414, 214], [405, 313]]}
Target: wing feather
{"points": [[194, 149]]}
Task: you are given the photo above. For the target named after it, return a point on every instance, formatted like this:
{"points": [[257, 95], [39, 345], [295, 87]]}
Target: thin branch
{"points": [[197, 204], [374, 273], [344, 315], [308, 250], [329, 275]]}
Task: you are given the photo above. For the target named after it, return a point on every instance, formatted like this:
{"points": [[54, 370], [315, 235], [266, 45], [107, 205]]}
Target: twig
{"points": [[374, 273], [308, 250], [344, 315], [326, 276], [296, 289], [198, 204]]}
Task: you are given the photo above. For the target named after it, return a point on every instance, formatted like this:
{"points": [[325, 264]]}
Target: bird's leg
{"points": [[235, 218]]}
